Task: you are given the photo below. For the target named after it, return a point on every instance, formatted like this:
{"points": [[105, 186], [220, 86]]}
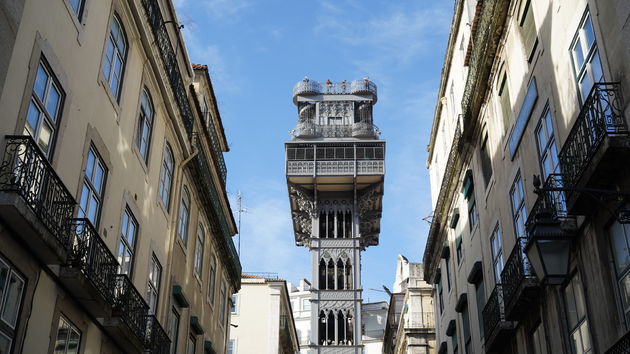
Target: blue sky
{"points": [[257, 50]]}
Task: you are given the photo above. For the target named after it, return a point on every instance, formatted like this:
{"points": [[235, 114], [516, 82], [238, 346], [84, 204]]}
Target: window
{"points": [[153, 285], [306, 304], [504, 101], [547, 149], [68, 338], [191, 346], [223, 306], [145, 125], [44, 108], [585, 54], [527, 28], [497, 253], [199, 251], [448, 273], [519, 214], [458, 248], [231, 347], [486, 163], [480, 295], [620, 242], [576, 316], [234, 304], [11, 289], [539, 345], [93, 185], [184, 216], [115, 56], [166, 176], [468, 188], [128, 235], [466, 330], [473, 215], [77, 7], [212, 276], [440, 293], [173, 329]]}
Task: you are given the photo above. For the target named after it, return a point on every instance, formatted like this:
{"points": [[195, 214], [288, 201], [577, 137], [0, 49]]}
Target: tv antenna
{"points": [[240, 210]]}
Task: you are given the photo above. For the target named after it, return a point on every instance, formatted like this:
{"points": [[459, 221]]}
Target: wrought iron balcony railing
{"points": [[601, 116], [494, 311], [169, 60], [344, 87], [517, 268], [551, 203], [215, 210], [622, 346], [26, 171], [89, 253], [157, 341], [216, 147], [312, 130], [130, 306]]}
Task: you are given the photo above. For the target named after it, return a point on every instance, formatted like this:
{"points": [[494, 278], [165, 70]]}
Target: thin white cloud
{"points": [[226, 10]]}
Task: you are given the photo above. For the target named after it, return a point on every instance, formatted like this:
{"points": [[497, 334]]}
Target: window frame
{"points": [[519, 212], [154, 283], [223, 305], [86, 182], [498, 257], [200, 241], [44, 117], [183, 217], [79, 11], [585, 68], [583, 320], [7, 329], [115, 18], [145, 123], [167, 170], [71, 327], [123, 242], [174, 318]]}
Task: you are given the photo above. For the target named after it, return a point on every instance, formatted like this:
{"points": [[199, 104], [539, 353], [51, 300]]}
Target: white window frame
{"points": [[184, 216], [145, 125], [517, 203], [91, 188], [71, 329], [166, 176], [153, 284], [126, 267], [117, 53], [199, 248], [496, 249], [586, 70]]}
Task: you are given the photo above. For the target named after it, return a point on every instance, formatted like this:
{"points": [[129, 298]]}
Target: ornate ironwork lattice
{"points": [[130, 306]]}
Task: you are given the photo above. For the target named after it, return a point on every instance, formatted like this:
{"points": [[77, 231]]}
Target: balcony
{"points": [[336, 168], [498, 330], [356, 87], [307, 129], [90, 270], [157, 341], [553, 203], [621, 346], [596, 143], [34, 199], [520, 285], [128, 321]]}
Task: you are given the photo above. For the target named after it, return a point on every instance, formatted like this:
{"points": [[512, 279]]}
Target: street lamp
{"points": [[548, 249]]}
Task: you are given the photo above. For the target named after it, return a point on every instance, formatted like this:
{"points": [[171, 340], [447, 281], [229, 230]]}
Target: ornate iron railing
{"points": [[210, 193], [130, 306], [494, 311], [169, 59], [157, 341], [517, 268], [622, 346], [551, 203], [89, 253], [601, 115], [310, 129], [216, 147], [26, 171], [344, 87]]}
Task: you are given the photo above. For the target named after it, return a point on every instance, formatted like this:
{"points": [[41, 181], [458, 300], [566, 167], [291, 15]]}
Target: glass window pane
{"points": [[92, 209], [5, 343], [41, 80], [32, 118], [578, 56], [45, 135], [620, 246], [89, 165], [586, 338], [585, 86], [4, 276], [569, 298], [53, 102], [589, 34], [12, 299], [596, 68], [98, 178]]}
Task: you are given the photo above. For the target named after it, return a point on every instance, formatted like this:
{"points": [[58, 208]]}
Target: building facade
{"points": [[410, 321], [300, 296], [373, 319], [528, 246], [115, 227], [262, 318], [335, 171]]}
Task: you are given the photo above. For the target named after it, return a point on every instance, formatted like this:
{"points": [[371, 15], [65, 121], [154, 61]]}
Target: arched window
{"points": [[184, 216], [349, 330], [322, 328], [166, 176], [322, 274], [340, 230], [115, 56], [341, 328], [330, 330], [330, 275], [348, 224], [331, 224], [145, 125], [340, 273], [348, 276], [322, 225]]}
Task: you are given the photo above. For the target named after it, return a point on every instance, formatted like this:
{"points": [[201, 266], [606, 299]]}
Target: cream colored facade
{"points": [[262, 318], [142, 208], [517, 99], [300, 296], [373, 320], [411, 325]]}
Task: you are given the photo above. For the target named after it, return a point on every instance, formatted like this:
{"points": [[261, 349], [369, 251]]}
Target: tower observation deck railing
{"points": [[306, 87]]}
